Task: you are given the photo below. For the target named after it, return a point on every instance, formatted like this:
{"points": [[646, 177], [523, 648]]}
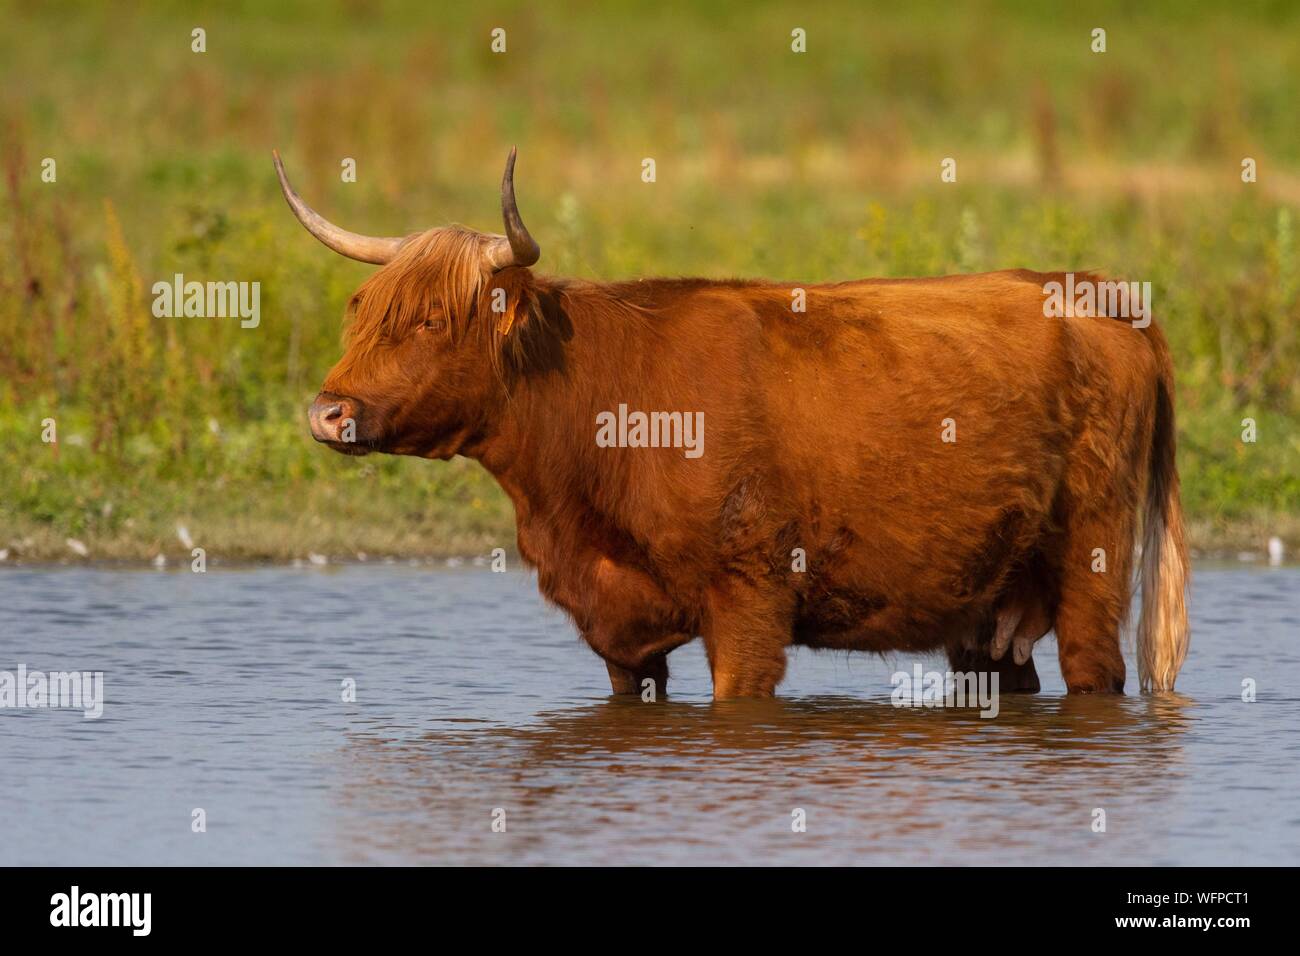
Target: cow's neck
{"points": [[542, 450]]}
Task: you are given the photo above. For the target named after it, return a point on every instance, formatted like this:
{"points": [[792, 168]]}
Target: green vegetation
{"points": [[812, 167]]}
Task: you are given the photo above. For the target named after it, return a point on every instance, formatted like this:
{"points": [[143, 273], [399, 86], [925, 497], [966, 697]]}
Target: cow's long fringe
{"points": [[442, 273], [1162, 636], [439, 271]]}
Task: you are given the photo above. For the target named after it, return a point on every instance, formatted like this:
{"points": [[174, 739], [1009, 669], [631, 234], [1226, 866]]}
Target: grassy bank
{"points": [[809, 167]]}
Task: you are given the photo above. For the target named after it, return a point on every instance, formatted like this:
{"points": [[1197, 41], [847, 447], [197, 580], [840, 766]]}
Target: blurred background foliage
{"points": [[810, 167]]}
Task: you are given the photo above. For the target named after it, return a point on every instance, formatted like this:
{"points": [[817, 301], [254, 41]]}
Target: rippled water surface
{"points": [[224, 693]]}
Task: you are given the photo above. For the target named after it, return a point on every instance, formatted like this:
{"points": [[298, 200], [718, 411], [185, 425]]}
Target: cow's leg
{"points": [[1094, 602], [1013, 678], [746, 635], [625, 681], [977, 653], [633, 625]]}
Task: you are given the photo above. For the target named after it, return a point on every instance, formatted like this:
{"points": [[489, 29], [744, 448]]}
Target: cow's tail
{"points": [[1162, 634]]}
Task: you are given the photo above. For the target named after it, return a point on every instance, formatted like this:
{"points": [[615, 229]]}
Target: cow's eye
{"points": [[434, 325]]}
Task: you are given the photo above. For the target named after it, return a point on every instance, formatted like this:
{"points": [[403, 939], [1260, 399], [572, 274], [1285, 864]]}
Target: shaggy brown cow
{"points": [[907, 465]]}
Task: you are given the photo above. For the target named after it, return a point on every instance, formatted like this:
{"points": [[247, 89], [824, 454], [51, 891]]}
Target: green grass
{"points": [[812, 167]]}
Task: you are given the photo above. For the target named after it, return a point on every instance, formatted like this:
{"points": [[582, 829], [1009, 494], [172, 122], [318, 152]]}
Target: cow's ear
{"points": [[528, 326], [511, 301]]}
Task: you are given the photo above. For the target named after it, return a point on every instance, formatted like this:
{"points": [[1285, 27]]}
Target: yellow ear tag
{"points": [[507, 311], [507, 319]]}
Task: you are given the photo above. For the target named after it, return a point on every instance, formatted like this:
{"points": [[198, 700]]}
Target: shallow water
{"points": [[223, 693]]}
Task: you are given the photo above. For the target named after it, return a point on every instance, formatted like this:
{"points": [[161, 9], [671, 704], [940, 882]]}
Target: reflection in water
{"points": [[223, 692], [623, 781]]}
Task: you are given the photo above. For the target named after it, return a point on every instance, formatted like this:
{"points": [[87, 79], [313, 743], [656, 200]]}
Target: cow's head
{"points": [[423, 367]]}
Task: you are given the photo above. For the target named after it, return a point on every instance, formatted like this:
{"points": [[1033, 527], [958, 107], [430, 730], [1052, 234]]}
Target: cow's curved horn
{"points": [[376, 249], [516, 247]]}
